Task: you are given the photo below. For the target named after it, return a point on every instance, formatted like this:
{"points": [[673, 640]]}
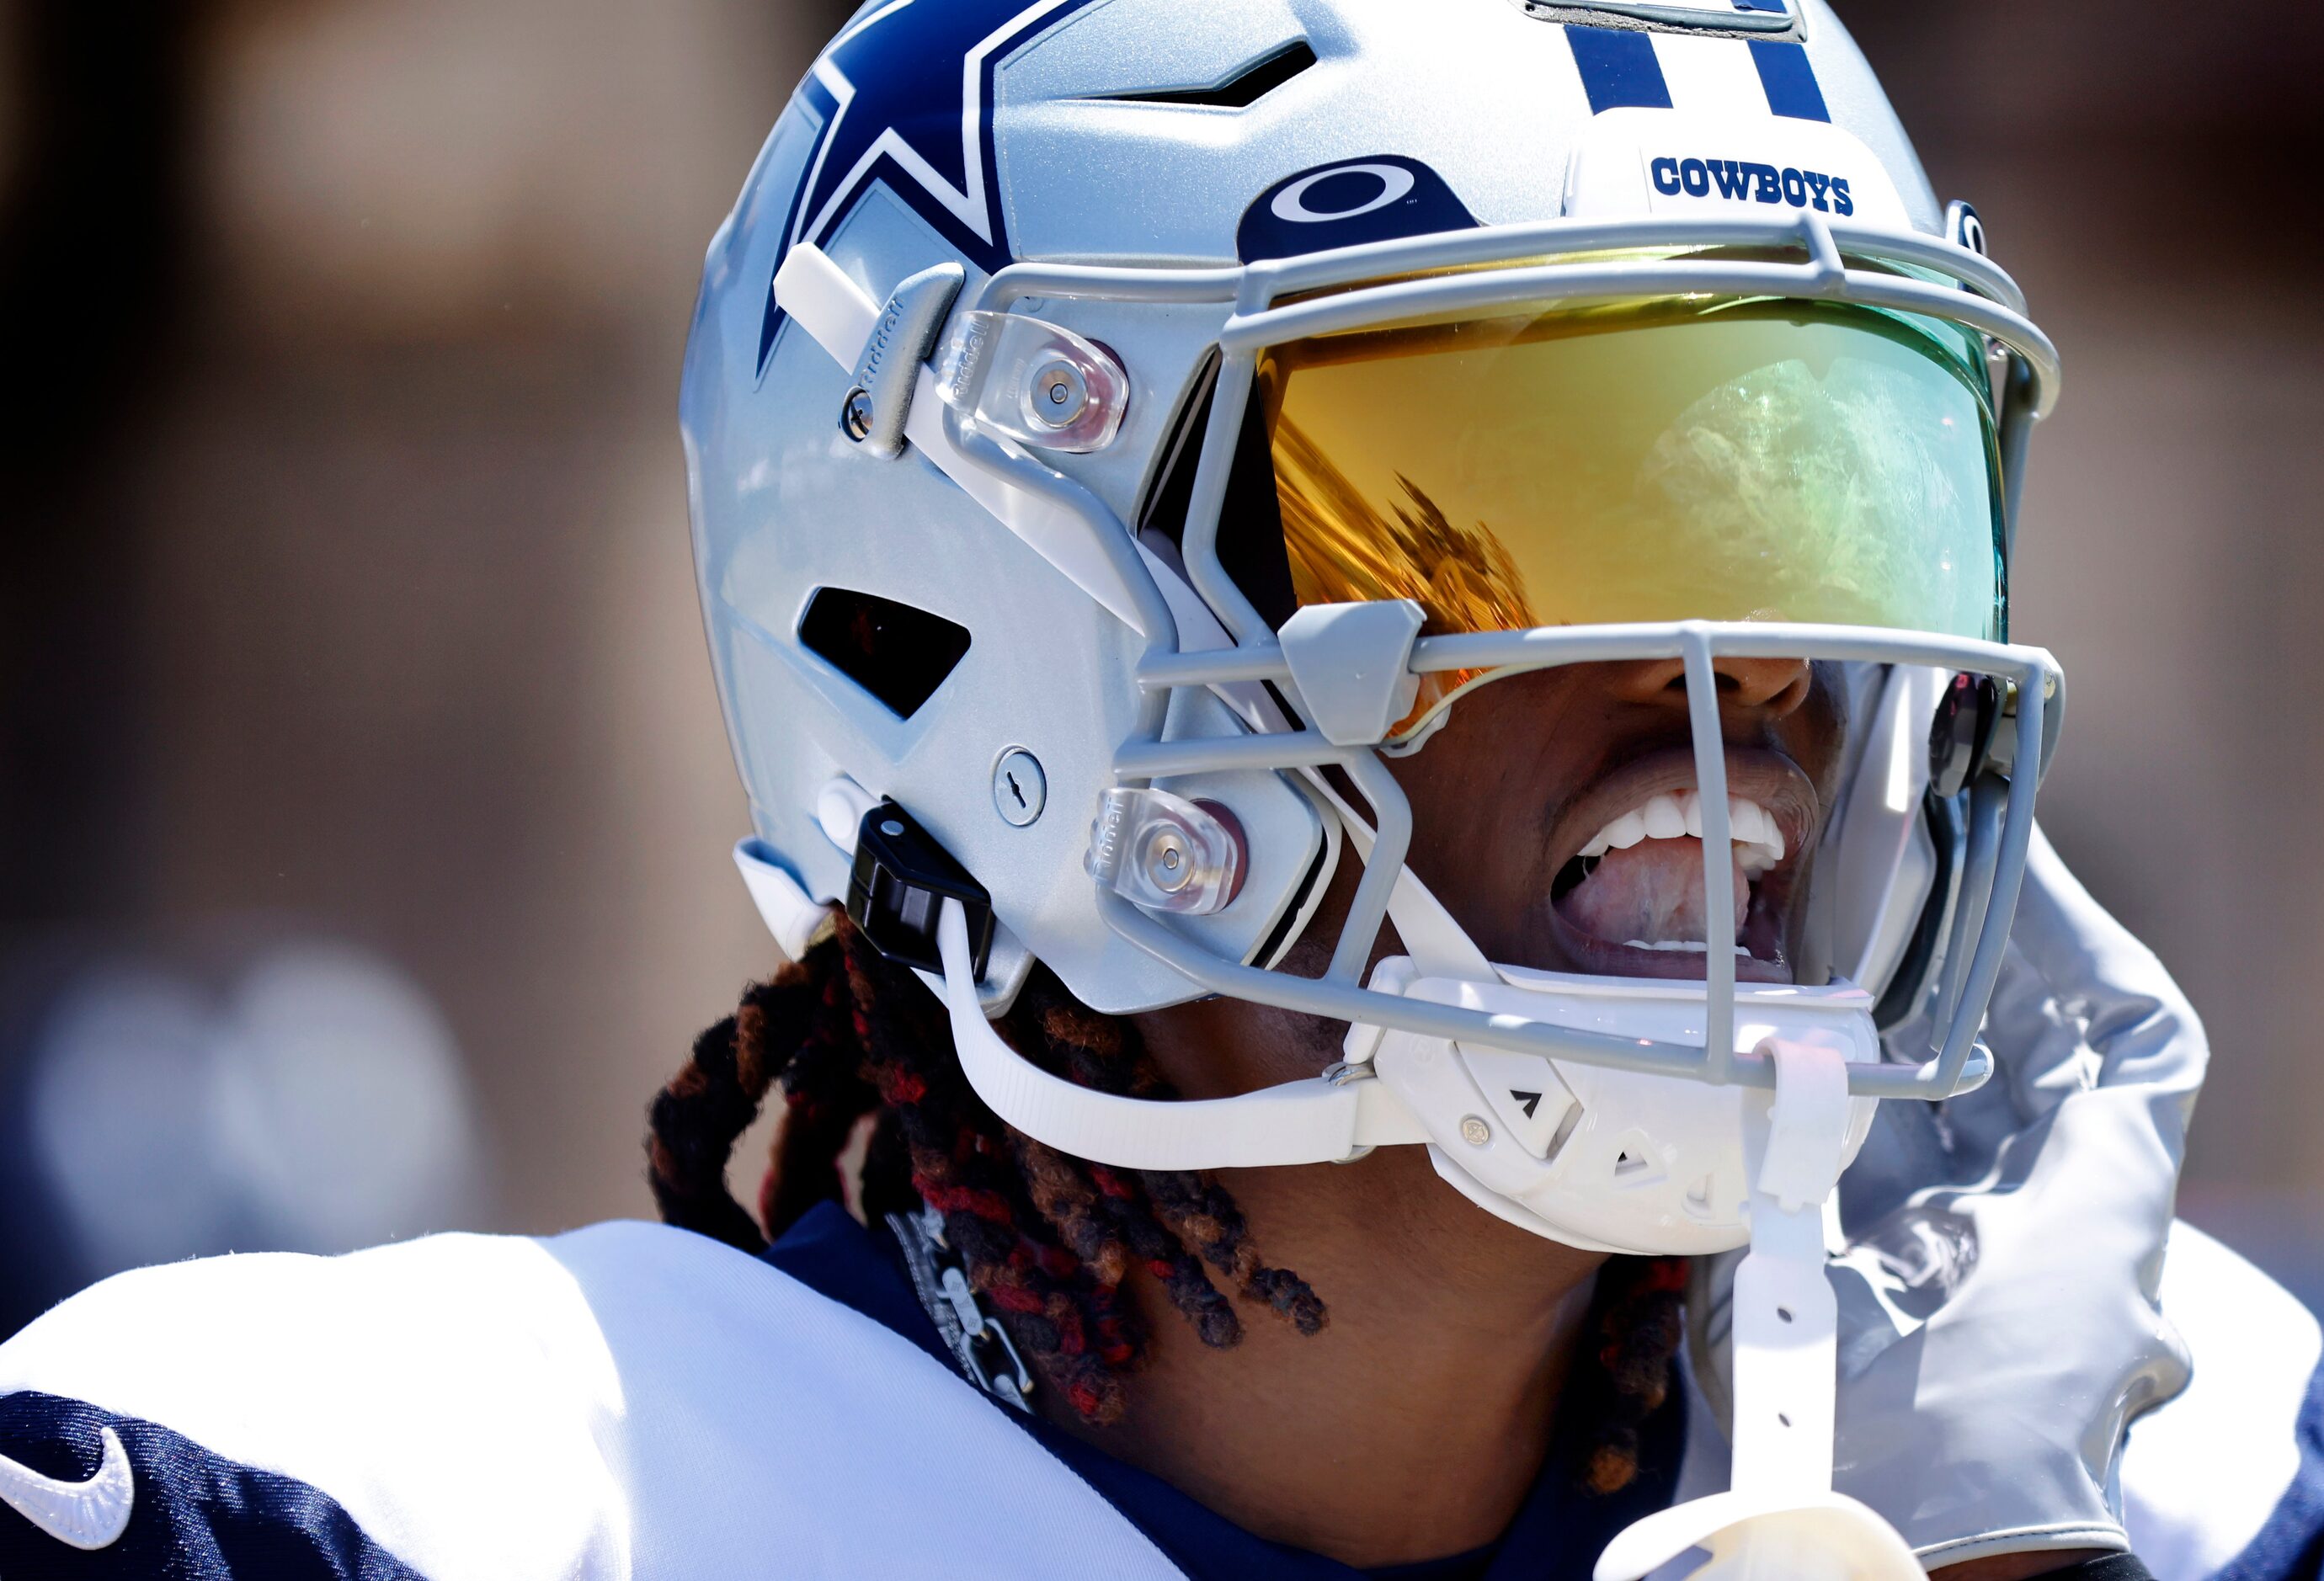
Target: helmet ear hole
{"points": [[897, 653]]}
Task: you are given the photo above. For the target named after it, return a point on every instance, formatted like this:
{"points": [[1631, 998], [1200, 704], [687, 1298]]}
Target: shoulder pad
{"points": [[622, 1400], [2206, 1476]]}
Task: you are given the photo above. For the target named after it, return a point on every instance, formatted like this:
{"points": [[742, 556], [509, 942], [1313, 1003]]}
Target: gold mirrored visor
{"points": [[1765, 460]]}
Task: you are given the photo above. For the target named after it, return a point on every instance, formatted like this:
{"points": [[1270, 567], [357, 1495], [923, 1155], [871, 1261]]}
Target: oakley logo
{"points": [[1348, 203], [1343, 192], [1741, 181], [86, 1515]]}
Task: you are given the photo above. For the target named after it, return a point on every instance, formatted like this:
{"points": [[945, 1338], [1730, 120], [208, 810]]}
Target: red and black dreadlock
{"points": [[1047, 1238]]}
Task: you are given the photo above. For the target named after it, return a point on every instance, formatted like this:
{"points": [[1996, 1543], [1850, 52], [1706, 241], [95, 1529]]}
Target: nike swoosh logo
{"points": [[88, 1515]]}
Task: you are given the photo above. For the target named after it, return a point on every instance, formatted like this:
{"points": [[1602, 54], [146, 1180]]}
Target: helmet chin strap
{"points": [[1780, 1516], [1321, 1120]]}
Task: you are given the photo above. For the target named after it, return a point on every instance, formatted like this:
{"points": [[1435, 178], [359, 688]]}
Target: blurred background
{"points": [[364, 801]]}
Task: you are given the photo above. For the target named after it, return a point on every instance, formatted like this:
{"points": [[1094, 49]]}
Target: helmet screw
{"points": [[1168, 864], [1059, 393], [1019, 789], [1475, 1132], [855, 415]]}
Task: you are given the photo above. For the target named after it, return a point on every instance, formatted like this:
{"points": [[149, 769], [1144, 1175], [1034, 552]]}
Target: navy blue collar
{"points": [[1556, 1536]]}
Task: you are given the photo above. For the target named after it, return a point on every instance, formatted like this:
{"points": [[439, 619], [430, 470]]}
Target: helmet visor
{"points": [[1763, 460]]}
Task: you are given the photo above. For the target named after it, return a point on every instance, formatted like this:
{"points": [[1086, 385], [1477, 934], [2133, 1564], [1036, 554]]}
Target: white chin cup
{"points": [[1603, 1159], [1826, 1537]]}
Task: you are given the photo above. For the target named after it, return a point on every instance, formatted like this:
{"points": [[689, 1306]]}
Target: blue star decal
{"points": [[906, 95]]}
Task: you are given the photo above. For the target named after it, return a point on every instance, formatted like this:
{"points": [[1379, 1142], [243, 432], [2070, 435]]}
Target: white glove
{"points": [[1998, 1328]]}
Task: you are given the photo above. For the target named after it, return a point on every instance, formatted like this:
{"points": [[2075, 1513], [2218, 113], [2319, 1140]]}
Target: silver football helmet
{"points": [[1086, 408]]}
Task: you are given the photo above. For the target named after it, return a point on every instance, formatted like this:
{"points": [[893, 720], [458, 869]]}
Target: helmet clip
{"points": [[1166, 853], [897, 888], [1033, 381], [886, 375]]}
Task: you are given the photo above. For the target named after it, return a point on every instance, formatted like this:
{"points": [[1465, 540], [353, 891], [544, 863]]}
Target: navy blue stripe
{"points": [[198, 1517], [2291, 1545], [1774, 5], [1789, 79], [1619, 69]]}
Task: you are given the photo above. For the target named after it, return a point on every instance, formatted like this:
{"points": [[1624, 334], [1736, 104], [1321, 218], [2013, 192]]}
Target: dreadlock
{"points": [[1047, 1238], [1639, 1323]]}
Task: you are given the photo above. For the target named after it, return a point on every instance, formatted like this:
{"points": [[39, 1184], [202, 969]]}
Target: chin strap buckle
{"points": [[898, 887]]}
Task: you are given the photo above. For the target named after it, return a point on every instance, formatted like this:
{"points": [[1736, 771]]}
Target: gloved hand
{"points": [[1998, 1327]]}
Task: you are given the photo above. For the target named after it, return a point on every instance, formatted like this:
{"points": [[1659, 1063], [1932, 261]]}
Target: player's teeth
{"points": [[1676, 813], [1664, 820], [1692, 946], [1621, 834]]}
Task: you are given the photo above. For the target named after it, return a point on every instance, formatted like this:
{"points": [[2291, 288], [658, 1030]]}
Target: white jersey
{"points": [[630, 1401]]}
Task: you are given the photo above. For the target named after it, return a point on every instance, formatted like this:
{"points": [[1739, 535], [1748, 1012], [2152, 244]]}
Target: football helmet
{"points": [[1080, 402], [1116, 428]]}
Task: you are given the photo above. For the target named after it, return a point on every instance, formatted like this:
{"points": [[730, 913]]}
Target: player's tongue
{"points": [[1650, 894]]}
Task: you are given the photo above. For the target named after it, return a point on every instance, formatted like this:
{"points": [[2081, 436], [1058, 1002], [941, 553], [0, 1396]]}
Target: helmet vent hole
{"points": [[898, 654], [1637, 1162], [1240, 92]]}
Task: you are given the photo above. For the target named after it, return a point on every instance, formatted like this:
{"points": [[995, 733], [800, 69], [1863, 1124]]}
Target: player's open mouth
{"points": [[1628, 896]]}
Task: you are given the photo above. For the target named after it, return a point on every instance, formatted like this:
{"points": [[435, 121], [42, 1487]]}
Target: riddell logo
{"points": [[1739, 181]]}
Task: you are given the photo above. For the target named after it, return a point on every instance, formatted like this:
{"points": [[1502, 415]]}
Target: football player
{"points": [[1370, 644]]}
